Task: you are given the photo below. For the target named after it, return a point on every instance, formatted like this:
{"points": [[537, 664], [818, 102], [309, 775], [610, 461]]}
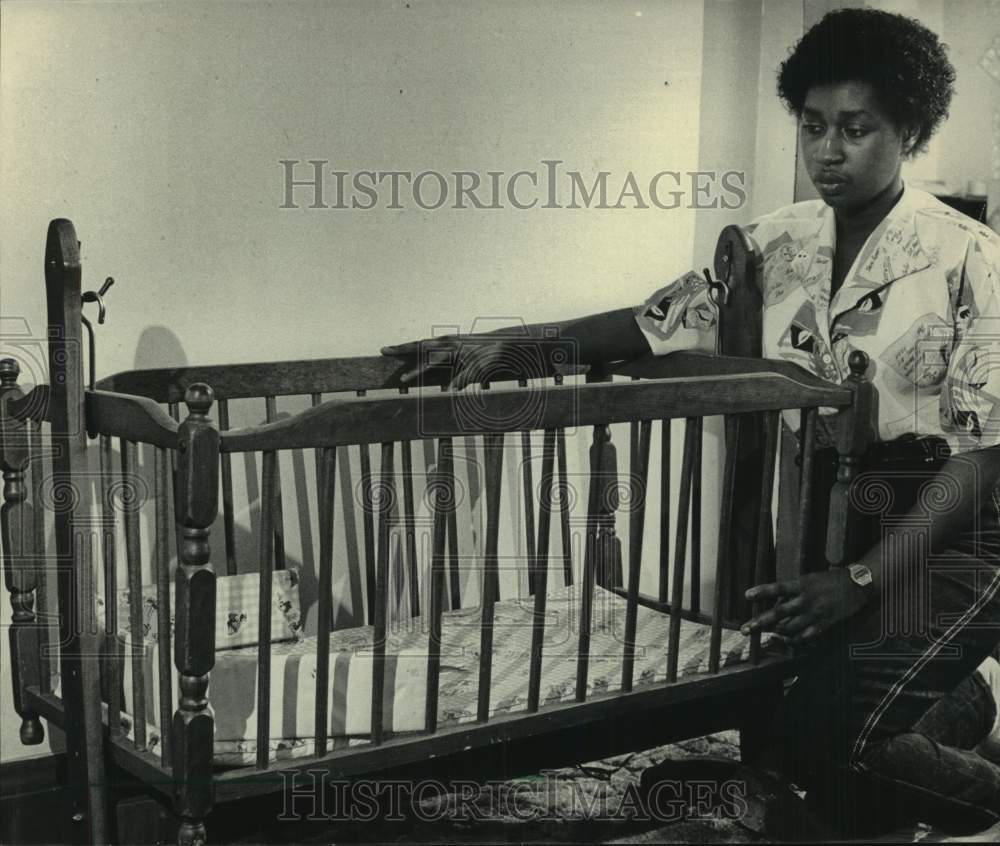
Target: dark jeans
{"points": [[880, 724]]}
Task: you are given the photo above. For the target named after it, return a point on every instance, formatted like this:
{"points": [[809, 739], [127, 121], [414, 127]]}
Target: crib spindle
{"points": [[664, 509], [564, 506], [368, 519], [723, 565], [528, 487], [43, 592], [493, 449], [268, 507], [161, 469], [174, 410], [602, 436], [692, 424], [637, 514], [444, 499], [696, 482], [271, 414], [540, 566], [454, 575], [385, 504], [228, 519], [133, 561], [112, 664], [197, 500], [327, 489], [409, 530], [808, 435], [772, 420]]}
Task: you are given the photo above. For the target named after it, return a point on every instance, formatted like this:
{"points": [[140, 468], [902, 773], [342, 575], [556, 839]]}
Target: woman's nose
{"points": [[830, 148]]}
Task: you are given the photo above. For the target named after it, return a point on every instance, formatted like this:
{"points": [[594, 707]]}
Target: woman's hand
{"points": [[470, 359], [808, 605]]}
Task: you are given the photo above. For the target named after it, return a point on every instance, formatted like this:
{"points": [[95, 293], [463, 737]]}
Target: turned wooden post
{"points": [[194, 647], [738, 262], [19, 558], [78, 636], [857, 429]]}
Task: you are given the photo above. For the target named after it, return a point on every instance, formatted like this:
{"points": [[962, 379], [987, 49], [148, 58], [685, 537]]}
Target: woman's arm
{"points": [[608, 336], [812, 603]]}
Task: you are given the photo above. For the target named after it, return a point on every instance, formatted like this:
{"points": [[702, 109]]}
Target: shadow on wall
{"points": [[159, 347]]}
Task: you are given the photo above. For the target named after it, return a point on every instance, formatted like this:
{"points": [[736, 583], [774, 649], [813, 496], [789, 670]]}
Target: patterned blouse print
{"points": [[922, 300]]}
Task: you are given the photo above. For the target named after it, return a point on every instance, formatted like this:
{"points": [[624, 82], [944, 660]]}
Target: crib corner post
{"points": [[18, 561], [194, 646], [857, 429]]}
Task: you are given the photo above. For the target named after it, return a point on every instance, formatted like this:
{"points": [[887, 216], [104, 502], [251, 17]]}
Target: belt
{"points": [[908, 449]]}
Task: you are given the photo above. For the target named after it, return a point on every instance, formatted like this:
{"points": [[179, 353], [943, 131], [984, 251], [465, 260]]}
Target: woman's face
{"points": [[852, 150]]}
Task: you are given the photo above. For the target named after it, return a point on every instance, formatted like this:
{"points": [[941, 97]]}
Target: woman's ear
{"points": [[909, 136]]}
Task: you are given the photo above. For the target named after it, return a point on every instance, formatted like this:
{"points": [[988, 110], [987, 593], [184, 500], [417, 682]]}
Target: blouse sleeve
{"points": [[970, 405], [679, 316]]}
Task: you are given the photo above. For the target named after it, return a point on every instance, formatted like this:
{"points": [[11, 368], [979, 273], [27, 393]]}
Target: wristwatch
{"points": [[860, 574]]}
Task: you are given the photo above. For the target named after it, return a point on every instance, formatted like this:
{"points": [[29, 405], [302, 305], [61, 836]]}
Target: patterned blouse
{"points": [[922, 299]]}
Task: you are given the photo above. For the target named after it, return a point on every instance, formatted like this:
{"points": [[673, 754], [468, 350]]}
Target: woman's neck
{"points": [[861, 221]]}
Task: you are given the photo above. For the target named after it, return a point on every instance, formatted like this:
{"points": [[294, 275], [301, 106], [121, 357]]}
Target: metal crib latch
{"points": [[719, 288], [95, 297]]}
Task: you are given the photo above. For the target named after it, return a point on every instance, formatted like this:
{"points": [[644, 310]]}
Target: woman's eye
{"points": [[812, 129], [855, 132]]}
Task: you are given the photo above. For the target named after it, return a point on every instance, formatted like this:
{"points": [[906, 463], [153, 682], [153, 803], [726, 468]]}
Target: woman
{"points": [[886, 717]]}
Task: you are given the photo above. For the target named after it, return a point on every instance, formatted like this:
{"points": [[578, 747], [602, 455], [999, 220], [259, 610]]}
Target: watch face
{"points": [[860, 574]]}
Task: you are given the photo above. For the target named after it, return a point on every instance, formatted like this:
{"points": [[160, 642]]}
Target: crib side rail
{"points": [[367, 420]]}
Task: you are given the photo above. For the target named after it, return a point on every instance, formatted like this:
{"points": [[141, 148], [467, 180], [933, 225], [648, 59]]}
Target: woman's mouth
{"points": [[830, 182]]}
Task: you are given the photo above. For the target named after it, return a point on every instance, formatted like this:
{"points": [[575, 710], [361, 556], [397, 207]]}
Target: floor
{"points": [[589, 803]]}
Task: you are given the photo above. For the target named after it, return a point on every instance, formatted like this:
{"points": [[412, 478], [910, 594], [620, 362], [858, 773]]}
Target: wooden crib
{"points": [[73, 677]]}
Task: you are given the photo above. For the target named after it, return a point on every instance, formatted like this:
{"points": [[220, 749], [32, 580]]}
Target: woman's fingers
{"points": [[762, 622], [774, 590], [409, 348]]}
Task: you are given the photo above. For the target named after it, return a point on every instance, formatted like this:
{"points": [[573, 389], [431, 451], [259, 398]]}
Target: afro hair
{"points": [[903, 61]]}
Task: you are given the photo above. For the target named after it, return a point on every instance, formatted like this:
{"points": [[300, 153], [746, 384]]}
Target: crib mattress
{"points": [[233, 686]]}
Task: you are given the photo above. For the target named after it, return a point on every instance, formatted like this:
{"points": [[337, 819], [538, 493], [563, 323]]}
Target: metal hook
{"points": [[720, 287], [98, 297], [95, 297]]}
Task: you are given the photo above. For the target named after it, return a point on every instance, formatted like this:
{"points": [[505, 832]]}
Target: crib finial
{"points": [[199, 398], [9, 371]]}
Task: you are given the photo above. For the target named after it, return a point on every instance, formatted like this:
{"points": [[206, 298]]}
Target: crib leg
{"points": [[756, 735], [18, 560], [194, 648]]}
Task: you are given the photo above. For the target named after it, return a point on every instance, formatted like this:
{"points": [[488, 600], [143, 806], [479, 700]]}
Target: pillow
{"points": [[236, 615]]}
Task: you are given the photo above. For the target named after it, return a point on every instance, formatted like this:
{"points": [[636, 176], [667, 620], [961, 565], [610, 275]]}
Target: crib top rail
{"points": [[134, 418], [366, 420]]}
